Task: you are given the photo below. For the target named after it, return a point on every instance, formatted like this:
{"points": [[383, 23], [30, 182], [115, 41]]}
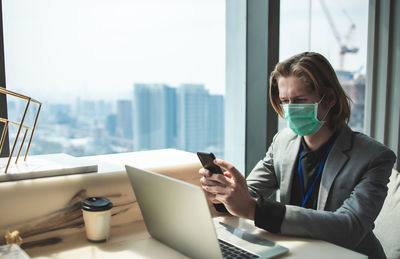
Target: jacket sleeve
{"points": [[262, 183], [262, 180]]}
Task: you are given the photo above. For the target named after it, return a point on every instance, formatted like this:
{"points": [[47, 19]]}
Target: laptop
{"points": [[176, 213]]}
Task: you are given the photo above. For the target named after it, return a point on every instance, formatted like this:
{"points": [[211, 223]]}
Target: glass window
{"points": [[337, 30], [118, 75]]}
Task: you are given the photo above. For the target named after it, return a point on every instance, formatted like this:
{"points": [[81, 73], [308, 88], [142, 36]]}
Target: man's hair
{"points": [[315, 71]]}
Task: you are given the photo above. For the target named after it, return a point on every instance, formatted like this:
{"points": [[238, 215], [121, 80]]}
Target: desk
{"points": [[133, 241], [57, 226]]}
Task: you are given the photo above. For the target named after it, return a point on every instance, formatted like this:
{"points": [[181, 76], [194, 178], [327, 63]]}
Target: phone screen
{"points": [[207, 160]]}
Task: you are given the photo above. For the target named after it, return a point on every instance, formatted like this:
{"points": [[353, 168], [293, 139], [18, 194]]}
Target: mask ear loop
{"points": [[323, 119], [321, 99]]}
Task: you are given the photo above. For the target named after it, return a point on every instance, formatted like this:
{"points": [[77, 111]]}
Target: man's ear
{"points": [[331, 98]]}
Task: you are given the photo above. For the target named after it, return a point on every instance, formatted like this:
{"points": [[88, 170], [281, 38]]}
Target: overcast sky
{"points": [[60, 49], [294, 29]]}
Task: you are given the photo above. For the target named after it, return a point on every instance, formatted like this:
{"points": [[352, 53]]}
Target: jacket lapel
{"points": [[334, 164], [287, 169]]}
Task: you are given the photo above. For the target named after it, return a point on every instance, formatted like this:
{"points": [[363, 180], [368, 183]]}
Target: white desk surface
{"points": [[133, 241]]}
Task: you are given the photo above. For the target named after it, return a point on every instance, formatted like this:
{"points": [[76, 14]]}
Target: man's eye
{"points": [[299, 101]]}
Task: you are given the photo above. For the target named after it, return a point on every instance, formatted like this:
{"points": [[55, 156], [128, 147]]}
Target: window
{"points": [[118, 75], [327, 27]]}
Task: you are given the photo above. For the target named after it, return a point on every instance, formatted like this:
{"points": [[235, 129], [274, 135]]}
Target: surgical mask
{"points": [[302, 118]]}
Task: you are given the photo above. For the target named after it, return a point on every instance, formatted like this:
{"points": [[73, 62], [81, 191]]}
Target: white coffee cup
{"points": [[97, 217]]}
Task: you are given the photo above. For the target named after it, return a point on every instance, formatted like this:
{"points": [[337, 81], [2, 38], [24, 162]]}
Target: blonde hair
{"points": [[317, 73]]}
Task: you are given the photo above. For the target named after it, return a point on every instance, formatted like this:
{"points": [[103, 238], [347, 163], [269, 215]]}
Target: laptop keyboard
{"points": [[232, 251]]}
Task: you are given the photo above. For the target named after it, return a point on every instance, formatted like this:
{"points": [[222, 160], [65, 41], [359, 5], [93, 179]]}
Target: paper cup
{"points": [[97, 217]]}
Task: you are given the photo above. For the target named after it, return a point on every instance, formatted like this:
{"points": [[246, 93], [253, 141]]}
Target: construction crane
{"points": [[344, 49]]}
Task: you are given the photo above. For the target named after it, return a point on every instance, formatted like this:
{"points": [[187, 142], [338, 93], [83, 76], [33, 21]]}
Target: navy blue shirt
{"points": [[310, 162]]}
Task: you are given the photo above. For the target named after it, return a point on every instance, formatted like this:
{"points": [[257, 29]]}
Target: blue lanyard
{"points": [[305, 197]]}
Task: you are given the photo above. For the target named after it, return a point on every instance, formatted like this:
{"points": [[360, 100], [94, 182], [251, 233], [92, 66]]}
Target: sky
{"points": [[100, 48], [294, 28], [97, 49]]}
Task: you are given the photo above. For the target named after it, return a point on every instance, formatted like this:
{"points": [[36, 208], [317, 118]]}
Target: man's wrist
{"points": [[252, 208]]}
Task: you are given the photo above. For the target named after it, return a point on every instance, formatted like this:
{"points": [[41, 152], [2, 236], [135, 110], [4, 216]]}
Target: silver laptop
{"points": [[176, 213]]}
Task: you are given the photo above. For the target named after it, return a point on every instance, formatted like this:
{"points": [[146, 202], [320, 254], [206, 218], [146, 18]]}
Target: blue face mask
{"points": [[302, 118]]}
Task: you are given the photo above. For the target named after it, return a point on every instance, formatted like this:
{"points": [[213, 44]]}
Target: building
{"points": [[192, 117], [154, 107], [124, 119]]}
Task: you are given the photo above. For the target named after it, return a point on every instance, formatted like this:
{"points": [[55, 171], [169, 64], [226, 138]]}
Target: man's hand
{"points": [[209, 179], [229, 189]]}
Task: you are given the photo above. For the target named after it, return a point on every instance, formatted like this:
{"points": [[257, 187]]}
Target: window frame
{"points": [[252, 50], [382, 108], [5, 152]]}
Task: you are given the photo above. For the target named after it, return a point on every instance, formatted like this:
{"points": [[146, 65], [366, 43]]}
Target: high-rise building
{"points": [[124, 119], [188, 118], [111, 124], [192, 117], [154, 107]]}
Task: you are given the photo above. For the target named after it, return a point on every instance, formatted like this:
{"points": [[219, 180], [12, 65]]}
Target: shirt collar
{"points": [[318, 153]]}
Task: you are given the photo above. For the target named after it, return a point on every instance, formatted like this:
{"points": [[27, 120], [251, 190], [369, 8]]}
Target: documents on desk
{"points": [[175, 212], [40, 166]]}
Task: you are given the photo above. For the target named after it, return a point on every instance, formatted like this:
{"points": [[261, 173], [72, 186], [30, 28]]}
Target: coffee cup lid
{"points": [[96, 204]]}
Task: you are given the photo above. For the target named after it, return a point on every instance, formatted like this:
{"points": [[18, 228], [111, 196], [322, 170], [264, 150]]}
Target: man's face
{"points": [[292, 90]]}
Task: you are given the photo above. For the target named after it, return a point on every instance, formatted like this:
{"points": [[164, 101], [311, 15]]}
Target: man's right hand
{"points": [[210, 180]]}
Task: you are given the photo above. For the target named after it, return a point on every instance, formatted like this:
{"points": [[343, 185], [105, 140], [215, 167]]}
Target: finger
{"points": [[207, 181], [214, 177], [204, 172], [223, 169], [215, 189], [203, 181], [211, 197], [230, 168], [227, 174], [222, 179], [222, 199]]}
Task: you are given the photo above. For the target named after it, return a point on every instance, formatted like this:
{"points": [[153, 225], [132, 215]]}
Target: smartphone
{"points": [[207, 160]]}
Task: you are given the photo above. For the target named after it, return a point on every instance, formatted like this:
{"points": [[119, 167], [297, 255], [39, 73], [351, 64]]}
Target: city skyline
{"points": [[154, 116]]}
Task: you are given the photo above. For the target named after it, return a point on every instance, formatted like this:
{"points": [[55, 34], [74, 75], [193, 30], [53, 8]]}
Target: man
{"points": [[332, 180]]}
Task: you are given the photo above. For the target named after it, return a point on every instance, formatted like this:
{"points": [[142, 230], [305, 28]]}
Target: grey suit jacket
{"points": [[351, 194]]}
